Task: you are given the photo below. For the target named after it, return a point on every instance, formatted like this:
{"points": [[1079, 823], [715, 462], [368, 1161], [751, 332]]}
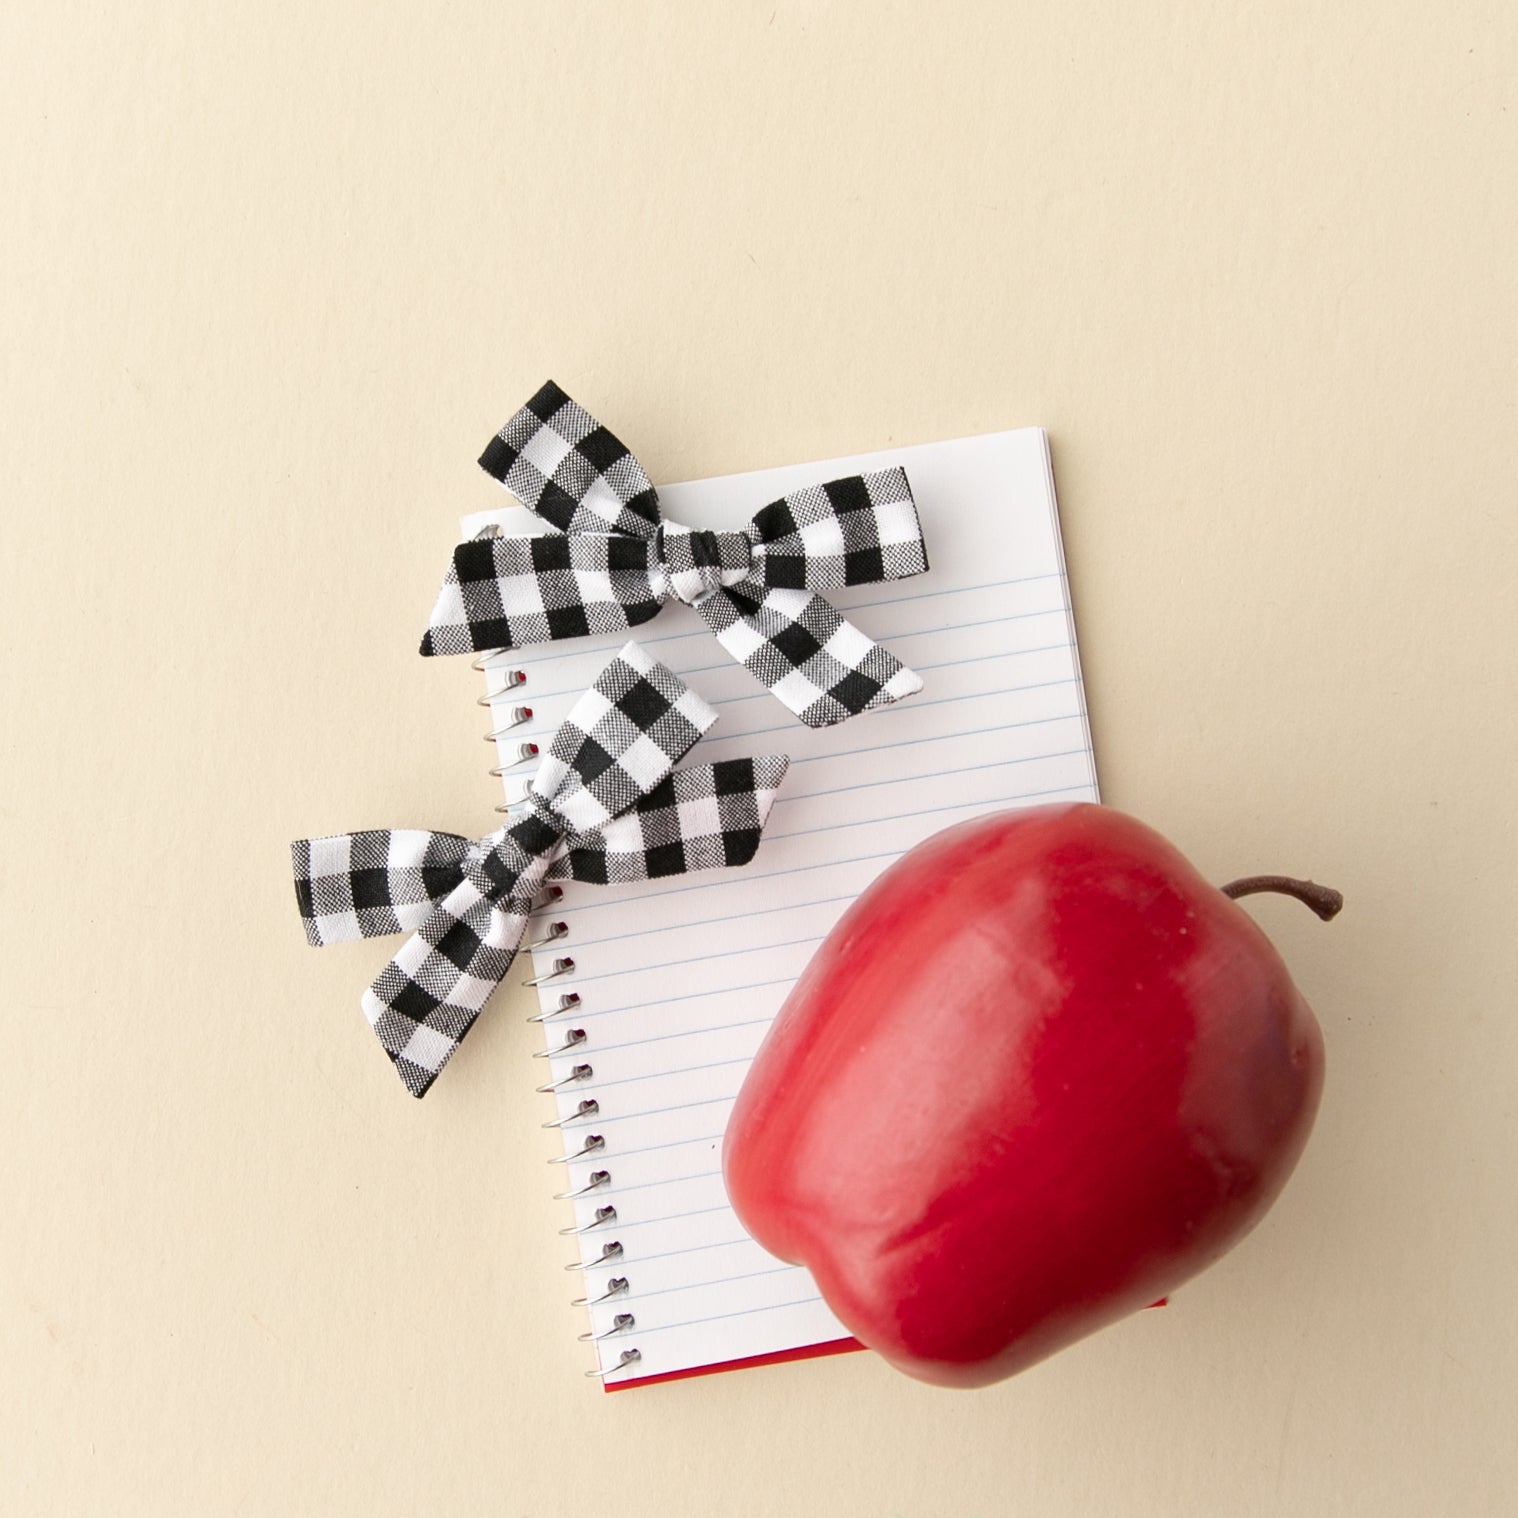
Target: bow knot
{"points": [[508, 869], [606, 805], [696, 565], [611, 562]]}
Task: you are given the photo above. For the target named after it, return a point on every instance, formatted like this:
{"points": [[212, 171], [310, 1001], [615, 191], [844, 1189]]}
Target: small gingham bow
{"points": [[606, 805], [613, 563]]}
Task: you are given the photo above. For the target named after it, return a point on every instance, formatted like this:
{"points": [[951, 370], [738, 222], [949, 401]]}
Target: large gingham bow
{"points": [[613, 563], [606, 805]]}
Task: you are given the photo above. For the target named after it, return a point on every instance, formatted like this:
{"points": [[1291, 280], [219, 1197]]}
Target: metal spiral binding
{"points": [[619, 1325], [609, 1252], [616, 1287], [592, 1145], [515, 678], [627, 1357], [587, 1109], [568, 1001], [573, 1041], [593, 1182], [604, 1216], [579, 1073]]}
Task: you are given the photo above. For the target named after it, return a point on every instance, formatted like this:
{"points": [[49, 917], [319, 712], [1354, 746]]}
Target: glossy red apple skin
{"points": [[1040, 1074]]}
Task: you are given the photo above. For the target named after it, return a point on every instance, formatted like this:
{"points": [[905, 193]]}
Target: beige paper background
{"points": [[272, 273]]}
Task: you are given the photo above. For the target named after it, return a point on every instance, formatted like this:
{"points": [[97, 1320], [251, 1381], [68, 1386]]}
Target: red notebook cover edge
{"points": [[778, 1357]]}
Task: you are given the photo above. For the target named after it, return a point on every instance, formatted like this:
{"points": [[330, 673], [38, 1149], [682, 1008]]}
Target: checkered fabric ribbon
{"points": [[606, 805], [613, 563]]}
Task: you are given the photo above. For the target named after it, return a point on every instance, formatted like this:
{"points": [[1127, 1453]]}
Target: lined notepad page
{"points": [[679, 979]]}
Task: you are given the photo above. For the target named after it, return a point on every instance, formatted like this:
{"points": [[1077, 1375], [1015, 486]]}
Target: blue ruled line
{"points": [[693, 959], [846, 754], [611, 1189], [659, 1038], [928, 811], [894, 638], [959, 769], [605, 1119], [670, 1217], [595, 903], [706, 922], [591, 1087], [664, 639], [623, 1154], [664, 1291], [718, 1317], [830, 827], [972, 732], [522, 692], [669, 1254], [578, 1014], [915, 704]]}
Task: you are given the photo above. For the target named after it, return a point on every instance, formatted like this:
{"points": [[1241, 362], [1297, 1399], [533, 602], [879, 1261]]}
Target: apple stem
{"points": [[1323, 900]]}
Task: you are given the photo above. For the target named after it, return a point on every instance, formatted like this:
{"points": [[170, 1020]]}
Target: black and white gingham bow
{"points": [[606, 805], [613, 563]]}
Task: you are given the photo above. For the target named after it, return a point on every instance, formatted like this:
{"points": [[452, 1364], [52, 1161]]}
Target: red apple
{"points": [[1039, 1074]]}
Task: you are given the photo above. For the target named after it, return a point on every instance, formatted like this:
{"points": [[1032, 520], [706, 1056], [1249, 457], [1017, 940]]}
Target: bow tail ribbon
{"points": [[703, 817], [427, 998], [382, 880], [859, 530], [508, 592], [821, 666], [464, 931]]}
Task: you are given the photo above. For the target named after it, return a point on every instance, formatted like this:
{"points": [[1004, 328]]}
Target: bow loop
{"points": [[622, 737], [614, 562], [382, 880], [702, 817], [854, 531], [561, 463], [606, 803]]}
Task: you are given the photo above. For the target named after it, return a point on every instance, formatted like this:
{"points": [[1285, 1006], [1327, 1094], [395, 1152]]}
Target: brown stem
{"points": [[1323, 900]]}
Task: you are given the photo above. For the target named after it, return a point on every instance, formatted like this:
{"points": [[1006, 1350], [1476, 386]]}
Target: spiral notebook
{"points": [[665, 989]]}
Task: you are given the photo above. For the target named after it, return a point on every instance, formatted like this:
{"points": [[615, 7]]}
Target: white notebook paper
{"points": [[679, 979]]}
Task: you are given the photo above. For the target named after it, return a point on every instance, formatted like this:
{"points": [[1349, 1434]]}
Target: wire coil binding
{"points": [[620, 1324], [627, 1357], [511, 758]]}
